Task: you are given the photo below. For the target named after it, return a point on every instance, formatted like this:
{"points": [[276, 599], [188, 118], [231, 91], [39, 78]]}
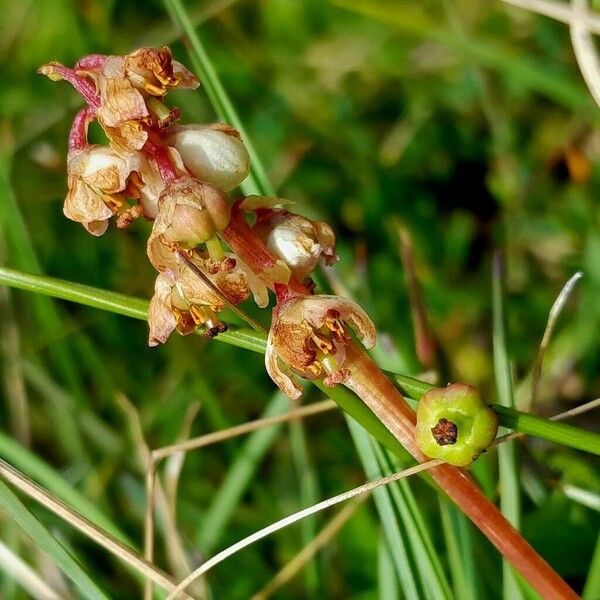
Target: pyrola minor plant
{"points": [[211, 253]]}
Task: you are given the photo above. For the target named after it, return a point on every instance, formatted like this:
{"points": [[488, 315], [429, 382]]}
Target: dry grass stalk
{"points": [[294, 566], [294, 518], [89, 529]]}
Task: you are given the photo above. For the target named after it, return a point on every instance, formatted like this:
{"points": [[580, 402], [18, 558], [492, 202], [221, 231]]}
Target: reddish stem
{"points": [[158, 152], [79, 128], [382, 397], [81, 83], [240, 237]]}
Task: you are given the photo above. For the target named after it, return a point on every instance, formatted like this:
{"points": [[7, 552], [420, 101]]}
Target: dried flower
{"points": [[189, 213], [154, 71], [213, 153], [98, 182], [183, 301], [297, 240], [117, 88], [309, 336]]}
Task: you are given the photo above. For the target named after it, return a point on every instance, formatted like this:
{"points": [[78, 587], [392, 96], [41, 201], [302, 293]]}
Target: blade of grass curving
{"points": [[457, 535], [528, 389], [567, 435], [392, 529], [591, 590], [559, 11], [428, 564], [34, 467], [257, 182], [63, 559], [239, 476], [510, 495]]}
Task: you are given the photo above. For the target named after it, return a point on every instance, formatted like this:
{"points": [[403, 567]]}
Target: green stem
{"points": [[560, 433], [567, 435]]}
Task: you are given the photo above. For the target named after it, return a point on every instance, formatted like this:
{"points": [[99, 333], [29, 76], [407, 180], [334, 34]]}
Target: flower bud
{"points": [[98, 179], [454, 423], [213, 153], [299, 241], [309, 336], [191, 212]]}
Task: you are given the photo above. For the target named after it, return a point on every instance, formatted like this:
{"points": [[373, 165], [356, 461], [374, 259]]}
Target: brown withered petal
{"points": [[184, 301], [187, 80], [161, 320], [120, 102], [127, 137], [317, 311], [280, 375], [160, 253], [97, 176], [85, 206], [151, 70]]}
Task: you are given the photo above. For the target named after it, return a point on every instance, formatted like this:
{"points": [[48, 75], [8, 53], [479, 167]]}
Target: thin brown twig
{"points": [[240, 313], [225, 434], [298, 516], [171, 535], [155, 456], [85, 526], [294, 566]]}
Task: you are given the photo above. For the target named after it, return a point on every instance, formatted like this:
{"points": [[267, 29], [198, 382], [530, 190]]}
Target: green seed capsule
{"points": [[453, 423]]}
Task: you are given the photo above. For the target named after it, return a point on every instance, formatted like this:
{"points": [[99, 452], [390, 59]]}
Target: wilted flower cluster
{"points": [[209, 252]]}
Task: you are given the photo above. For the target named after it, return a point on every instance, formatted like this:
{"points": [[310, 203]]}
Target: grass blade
{"points": [[387, 580], [427, 561], [510, 500], [30, 525], [391, 526], [457, 535], [591, 590]]}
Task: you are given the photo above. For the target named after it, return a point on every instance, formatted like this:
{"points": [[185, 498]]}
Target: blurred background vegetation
{"points": [[467, 121]]}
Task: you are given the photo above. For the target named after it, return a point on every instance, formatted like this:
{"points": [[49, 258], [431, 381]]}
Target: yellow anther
{"points": [[315, 368], [322, 343], [198, 314]]}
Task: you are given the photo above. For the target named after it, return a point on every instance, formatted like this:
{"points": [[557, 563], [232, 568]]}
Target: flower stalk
{"points": [[383, 398]]}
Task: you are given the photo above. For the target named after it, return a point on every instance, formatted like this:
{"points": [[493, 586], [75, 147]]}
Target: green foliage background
{"points": [[457, 118]]}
